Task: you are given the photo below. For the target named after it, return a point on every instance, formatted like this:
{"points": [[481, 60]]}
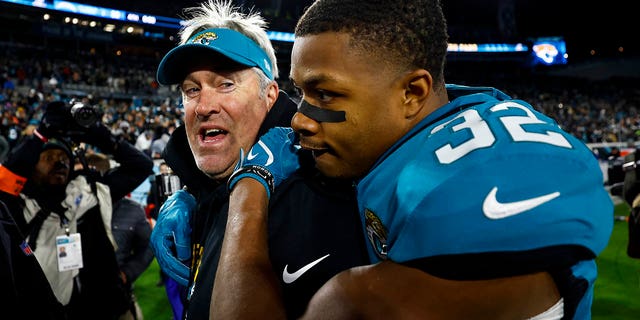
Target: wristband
{"points": [[258, 173]]}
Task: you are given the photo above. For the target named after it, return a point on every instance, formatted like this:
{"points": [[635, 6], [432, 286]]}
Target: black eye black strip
{"points": [[319, 114]]}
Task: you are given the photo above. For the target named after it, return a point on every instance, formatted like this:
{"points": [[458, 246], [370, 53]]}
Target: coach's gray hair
{"points": [[223, 14]]}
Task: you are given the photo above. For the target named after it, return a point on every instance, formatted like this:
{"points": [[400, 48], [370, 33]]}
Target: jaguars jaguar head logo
{"points": [[205, 38], [377, 233]]}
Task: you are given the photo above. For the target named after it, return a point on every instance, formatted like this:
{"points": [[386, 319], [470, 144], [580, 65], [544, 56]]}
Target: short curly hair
{"points": [[402, 33]]}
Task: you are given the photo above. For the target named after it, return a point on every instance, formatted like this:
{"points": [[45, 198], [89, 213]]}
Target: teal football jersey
{"points": [[487, 174]]}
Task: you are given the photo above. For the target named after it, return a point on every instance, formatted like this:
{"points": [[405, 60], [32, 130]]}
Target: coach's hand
{"points": [[270, 161], [173, 231]]}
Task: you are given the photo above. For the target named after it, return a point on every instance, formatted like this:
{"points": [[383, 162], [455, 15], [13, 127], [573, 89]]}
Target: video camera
{"points": [[167, 184], [84, 114]]}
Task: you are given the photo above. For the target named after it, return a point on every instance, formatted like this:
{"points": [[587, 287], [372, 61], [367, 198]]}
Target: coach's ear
{"points": [[272, 94], [418, 87]]}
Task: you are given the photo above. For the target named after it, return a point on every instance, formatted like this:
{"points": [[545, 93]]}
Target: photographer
{"points": [[45, 205]]}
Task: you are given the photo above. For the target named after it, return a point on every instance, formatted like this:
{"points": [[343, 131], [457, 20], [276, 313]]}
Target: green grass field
{"points": [[617, 292], [151, 298]]}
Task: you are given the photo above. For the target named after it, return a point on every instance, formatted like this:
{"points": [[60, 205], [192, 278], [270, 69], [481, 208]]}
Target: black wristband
{"points": [[252, 170]]}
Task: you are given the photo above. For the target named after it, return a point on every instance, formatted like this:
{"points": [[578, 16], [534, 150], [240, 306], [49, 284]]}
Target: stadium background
{"points": [[67, 49]]}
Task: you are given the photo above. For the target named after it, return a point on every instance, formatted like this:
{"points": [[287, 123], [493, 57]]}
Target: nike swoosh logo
{"points": [[291, 277], [494, 209], [251, 156]]}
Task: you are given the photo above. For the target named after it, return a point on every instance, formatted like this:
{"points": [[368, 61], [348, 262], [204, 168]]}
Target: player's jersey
{"points": [[487, 187]]}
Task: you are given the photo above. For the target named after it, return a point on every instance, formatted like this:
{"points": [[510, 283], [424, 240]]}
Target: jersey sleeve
{"points": [[508, 204]]}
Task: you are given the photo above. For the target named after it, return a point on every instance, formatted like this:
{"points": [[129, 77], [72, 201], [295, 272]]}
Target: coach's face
{"points": [[224, 109]]}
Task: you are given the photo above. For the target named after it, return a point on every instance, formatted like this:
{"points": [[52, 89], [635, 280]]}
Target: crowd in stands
{"points": [[88, 70], [596, 112], [593, 112]]}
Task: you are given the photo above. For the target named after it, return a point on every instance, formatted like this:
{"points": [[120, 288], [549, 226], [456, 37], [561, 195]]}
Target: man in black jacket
{"points": [[225, 69], [45, 205], [131, 231]]}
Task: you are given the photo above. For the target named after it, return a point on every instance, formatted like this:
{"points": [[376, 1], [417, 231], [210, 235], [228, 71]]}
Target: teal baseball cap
{"points": [[229, 43]]}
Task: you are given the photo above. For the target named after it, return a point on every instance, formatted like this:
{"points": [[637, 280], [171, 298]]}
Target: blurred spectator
{"points": [[164, 184], [131, 230], [11, 128], [53, 81], [126, 132], [160, 138], [631, 194], [615, 173], [8, 85], [4, 148], [143, 142]]}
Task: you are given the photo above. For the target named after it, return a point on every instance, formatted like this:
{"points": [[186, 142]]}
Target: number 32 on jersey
{"points": [[481, 135]]}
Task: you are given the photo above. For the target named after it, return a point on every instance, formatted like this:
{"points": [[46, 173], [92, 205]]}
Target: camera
{"points": [[84, 114], [168, 184]]}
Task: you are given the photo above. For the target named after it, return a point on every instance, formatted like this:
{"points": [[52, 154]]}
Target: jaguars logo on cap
{"points": [[267, 65], [377, 233], [205, 38]]}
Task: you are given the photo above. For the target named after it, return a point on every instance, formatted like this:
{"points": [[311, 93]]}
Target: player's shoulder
{"points": [[487, 124]]}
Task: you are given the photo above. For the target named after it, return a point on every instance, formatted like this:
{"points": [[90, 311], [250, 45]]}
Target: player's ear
{"points": [[418, 86]]}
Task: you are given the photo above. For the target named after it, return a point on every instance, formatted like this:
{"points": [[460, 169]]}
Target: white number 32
{"points": [[482, 136]]}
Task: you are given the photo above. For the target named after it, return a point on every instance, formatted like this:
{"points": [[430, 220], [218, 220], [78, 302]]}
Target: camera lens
{"points": [[84, 115]]}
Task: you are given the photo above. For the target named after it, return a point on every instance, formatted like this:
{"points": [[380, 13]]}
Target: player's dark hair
{"points": [[407, 33]]}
